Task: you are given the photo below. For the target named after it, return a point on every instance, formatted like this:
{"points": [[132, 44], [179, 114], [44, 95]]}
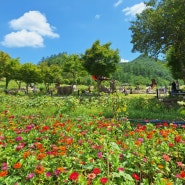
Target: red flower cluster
{"points": [[73, 176]]}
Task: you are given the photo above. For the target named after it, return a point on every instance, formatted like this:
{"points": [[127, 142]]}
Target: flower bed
{"points": [[57, 150]]}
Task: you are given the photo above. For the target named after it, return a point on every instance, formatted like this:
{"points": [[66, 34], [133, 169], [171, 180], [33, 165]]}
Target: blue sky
{"points": [[32, 29]]}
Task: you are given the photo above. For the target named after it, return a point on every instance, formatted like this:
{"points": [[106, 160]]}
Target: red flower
{"points": [[135, 176], [177, 139], [182, 174], [96, 171], [73, 176], [104, 180]]}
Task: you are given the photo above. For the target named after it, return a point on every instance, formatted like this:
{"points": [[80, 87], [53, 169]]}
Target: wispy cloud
{"points": [[29, 31], [118, 3], [136, 9], [97, 16], [123, 60]]}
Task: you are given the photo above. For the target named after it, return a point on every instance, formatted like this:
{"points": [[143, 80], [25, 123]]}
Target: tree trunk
{"points": [[27, 85], [6, 83], [99, 85]]}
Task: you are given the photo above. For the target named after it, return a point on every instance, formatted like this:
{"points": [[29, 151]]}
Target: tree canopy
{"points": [[100, 60], [158, 28], [8, 67]]}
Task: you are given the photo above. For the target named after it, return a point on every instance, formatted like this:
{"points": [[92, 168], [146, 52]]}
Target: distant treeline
{"points": [[137, 72], [142, 70]]}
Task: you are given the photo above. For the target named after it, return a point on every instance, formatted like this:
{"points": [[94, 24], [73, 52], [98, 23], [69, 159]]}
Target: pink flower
{"points": [[100, 155], [180, 164], [140, 139], [30, 176], [166, 157], [4, 166], [48, 174], [91, 176], [178, 176], [20, 146], [121, 169], [18, 138]]}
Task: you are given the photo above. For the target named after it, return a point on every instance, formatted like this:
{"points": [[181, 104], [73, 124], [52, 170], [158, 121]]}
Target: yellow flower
{"points": [[124, 109], [160, 166], [118, 110]]}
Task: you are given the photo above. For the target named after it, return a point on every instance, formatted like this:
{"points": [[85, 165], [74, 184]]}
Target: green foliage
{"points": [[142, 70], [100, 60], [9, 68], [173, 63], [160, 27], [151, 108]]}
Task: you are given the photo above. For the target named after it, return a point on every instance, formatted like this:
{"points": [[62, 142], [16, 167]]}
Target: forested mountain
{"points": [[142, 70]]}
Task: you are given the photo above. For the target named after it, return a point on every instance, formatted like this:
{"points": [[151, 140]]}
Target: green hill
{"points": [[142, 70]]}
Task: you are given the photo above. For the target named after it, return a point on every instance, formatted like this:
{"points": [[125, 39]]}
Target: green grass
{"points": [[109, 106]]}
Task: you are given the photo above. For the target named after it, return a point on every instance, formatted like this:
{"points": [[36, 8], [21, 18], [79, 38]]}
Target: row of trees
{"points": [[159, 29], [99, 60]]}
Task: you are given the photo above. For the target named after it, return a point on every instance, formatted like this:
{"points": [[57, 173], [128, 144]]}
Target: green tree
{"points": [[74, 67], [50, 74], [100, 60], [4, 57], [159, 27], [30, 73], [173, 63], [8, 67]]}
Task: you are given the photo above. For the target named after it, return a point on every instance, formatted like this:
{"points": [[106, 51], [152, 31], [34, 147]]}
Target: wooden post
{"points": [[157, 93]]}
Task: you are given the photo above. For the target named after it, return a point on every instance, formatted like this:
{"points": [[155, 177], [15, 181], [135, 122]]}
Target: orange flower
{"points": [[42, 149], [26, 154], [62, 153], [69, 141], [41, 156], [17, 165], [138, 143], [3, 173], [39, 169], [160, 166], [39, 145], [61, 169], [62, 148], [131, 133], [167, 182]]}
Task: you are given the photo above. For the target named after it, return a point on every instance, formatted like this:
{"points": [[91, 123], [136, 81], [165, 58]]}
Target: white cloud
{"points": [[97, 16], [30, 30], [136, 9], [118, 3], [23, 38], [123, 60]]}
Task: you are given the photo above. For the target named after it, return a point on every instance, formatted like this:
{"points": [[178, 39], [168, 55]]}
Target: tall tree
{"points": [[50, 74], [74, 66], [30, 73], [8, 67], [100, 60], [159, 27]]}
